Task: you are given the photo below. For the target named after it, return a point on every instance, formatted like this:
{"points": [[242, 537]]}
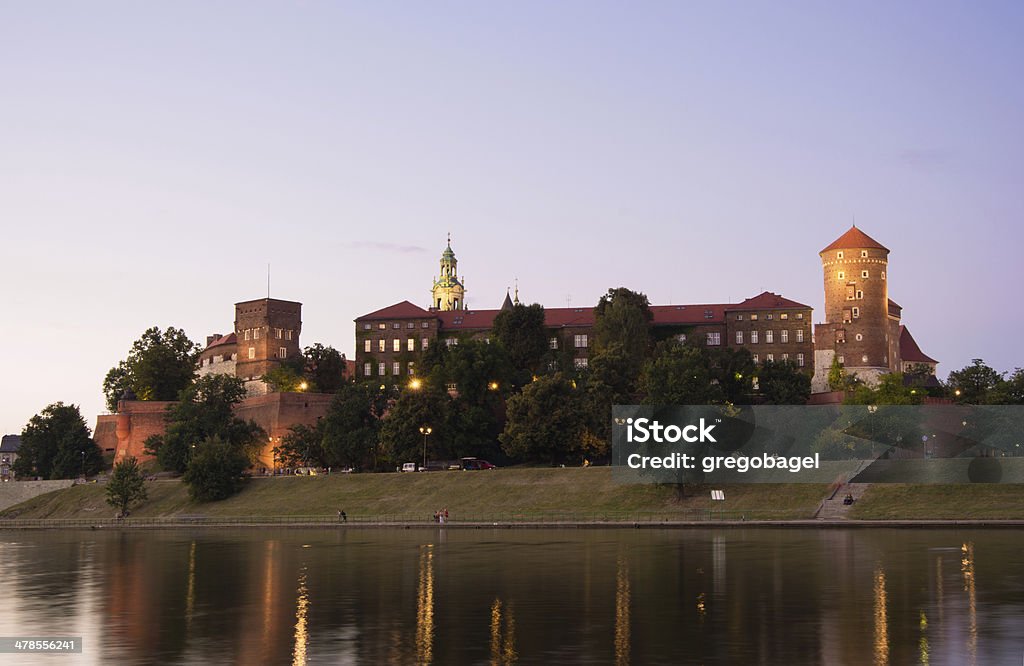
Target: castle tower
{"points": [[858, 328], [449, 292], [267, 332]]}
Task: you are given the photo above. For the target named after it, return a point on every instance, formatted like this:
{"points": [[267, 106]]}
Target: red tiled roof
{"points": [[228, 339], [767, 300], [909, 351], [700, 313], [403, 310], [854, 238], [466, 319]]}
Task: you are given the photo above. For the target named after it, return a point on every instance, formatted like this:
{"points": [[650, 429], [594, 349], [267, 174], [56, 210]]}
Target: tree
{"points": [[890, 390], [159, 365], [205, 410], [56, 445], [623, 317], [733, 370], [521, 332], [783, 383], [974, 384], [838, 379], [126, 486], [679, 374], [215, 472], [400, 435], [1010, 391], [285, 378], [325, 368], [544, 422]]}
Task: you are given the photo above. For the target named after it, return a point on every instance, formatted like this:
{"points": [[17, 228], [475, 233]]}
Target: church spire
{"points": [[448, 292]]}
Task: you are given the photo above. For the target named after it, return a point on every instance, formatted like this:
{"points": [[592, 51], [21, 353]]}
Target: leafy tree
{"points": [[1010, 391], [623, 317], [679, 374], [974, 384], [325, 368], [302, 446], [159, 365], [783, 383], [215, 472], [56, 445], [205, 410], [733, 370], [839, 379], [285, 379], [544, 422], [521, 332], [415, 408], [126, 486], [889, 391]]}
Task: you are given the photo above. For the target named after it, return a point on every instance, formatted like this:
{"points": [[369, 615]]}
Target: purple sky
{"points": [[154, 159]]}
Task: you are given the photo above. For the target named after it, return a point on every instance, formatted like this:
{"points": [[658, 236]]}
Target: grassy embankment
{"points": [[891, 501], [575, 494]]}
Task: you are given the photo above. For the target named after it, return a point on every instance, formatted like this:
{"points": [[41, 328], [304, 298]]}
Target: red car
{"points": [[475, 463]]}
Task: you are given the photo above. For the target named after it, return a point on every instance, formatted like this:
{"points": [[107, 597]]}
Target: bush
{"points": [[215, 471]]}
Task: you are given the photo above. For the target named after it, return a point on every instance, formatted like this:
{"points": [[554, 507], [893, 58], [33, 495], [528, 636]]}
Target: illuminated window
{"points": [[396, 368], [410, 344], [367, 346], [553, 343], [769, 337], [800, 360], [739, 337], [381, 367], [799, 335], [396, 345], [714, 338], [424, 342], [282, 352], [252, 353], [381, 345], [753, 337], [580, 341]]}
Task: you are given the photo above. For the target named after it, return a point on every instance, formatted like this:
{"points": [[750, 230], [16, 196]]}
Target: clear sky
{"points": [[155, 157]]}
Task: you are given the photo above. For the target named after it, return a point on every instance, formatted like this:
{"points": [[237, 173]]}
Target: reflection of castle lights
{"points": [[190, 592], [881, 619], [923, 642], [425, 607], [301, 613], [502, 651], [967, 570], [622, 613]]}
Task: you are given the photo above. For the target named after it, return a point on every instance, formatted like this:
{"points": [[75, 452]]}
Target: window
{"points": [[248, 333], [411, 324], [753, 337], [451, 341], [784, 315], [681, 337], [756, 359], [381, 367], [424, 343], [366, 327], [739, 317], [580, 363], [381, 345], [396, 345], [367, 346], [288, 334], [840, 275], [769, 337], [252, 353], [580, 341], [553, 343], [769, 316], [396, 325], [856, 312], [785, 357], [367, 369], [859, 337], [799, 315], [863, 254], [714, 338], [864, 274], [739, 337], [396, 368], [799, 335], [410, 344], [860, 295], [753, 317], [839, 254], [255, 334], [410, 368], [883, 275], [709, 314], [382, 326], [800, 360], [282, 352], [842, 360], [783, 336], [425, 324], [769, 358], [279, 332]]}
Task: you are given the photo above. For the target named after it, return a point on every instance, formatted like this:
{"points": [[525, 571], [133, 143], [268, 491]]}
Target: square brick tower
{"points": [[267, 330]]}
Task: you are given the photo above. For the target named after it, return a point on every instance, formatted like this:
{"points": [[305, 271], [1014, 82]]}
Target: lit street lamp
{"points": [[425, 431], [83, 465]]}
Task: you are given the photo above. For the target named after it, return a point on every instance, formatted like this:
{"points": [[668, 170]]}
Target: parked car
{"points": [[475, 463], [406, 467]]}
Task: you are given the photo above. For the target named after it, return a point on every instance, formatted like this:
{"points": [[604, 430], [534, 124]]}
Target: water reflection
{"points": [[935, 597]]}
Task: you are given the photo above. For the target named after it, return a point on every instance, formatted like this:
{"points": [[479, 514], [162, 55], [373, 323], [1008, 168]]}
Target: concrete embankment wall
{"points": [[16, 492]]}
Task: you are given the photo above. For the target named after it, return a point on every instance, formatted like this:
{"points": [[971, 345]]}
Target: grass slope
{"points": [[940, 502], [504, 494]]}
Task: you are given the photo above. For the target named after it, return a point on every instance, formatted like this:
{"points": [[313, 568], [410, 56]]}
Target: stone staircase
{"points": [[834, 509]]}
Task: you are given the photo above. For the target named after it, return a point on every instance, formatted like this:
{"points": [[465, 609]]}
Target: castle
{"points": [[862, 327]]}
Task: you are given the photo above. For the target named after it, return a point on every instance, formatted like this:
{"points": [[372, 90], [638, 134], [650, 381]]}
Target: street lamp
{"points": [[303, 386], [83, 465], [493, 386], [425, 431], [415, 383]]}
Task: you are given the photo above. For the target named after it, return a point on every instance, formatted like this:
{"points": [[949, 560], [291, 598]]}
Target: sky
{"points": [[156, 157]]}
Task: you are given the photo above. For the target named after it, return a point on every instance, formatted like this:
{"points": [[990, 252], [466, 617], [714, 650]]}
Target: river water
{"points": [[500, 596]]}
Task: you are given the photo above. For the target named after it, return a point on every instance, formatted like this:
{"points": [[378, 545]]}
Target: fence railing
{"points": [[504, 518]]}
